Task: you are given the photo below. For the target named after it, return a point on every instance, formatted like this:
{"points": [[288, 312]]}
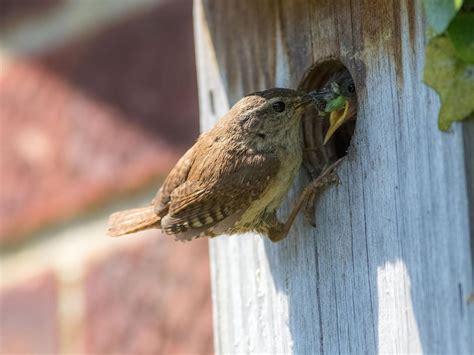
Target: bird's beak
{"points": [[338, 118], [305, 100], [320, 95]]}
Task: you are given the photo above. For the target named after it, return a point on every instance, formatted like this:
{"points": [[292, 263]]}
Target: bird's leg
{"points": [[279, 231], [309, 209], [328, 176]]}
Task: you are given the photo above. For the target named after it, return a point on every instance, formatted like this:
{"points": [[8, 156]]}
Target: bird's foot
{"points": [[327, 177]]}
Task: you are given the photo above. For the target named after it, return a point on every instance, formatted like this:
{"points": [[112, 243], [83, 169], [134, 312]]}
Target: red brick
{"points": [[153, 297], [97, 117], [14, 10], [144, 67], [28, 316]]}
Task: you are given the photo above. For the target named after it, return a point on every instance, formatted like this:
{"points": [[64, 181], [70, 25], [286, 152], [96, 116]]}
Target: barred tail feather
{"points": [[131, 221]]}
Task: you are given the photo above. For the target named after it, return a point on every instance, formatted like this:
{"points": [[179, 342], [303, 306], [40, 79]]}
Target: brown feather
{"points": [[131, 221], [204, 203], [175, 178]]}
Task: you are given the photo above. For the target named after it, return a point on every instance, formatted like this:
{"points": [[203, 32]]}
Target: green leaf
{"points": [[452, 79], [461, 33], [440, 13], [335, 104]]}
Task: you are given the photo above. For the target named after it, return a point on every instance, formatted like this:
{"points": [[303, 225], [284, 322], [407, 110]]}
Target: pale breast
{"points": [[276, 191]]}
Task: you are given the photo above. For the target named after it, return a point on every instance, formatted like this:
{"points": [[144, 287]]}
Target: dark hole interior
{"points": [[317, 155]]}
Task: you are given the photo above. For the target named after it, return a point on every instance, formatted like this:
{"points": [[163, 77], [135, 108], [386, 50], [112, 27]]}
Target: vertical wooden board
{"points": [[388, 268]]}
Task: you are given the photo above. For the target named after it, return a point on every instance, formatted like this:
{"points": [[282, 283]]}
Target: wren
{"points": [[233, 179]]}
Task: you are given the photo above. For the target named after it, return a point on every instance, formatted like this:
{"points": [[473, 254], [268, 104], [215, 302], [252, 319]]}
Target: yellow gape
{"points": [[336, 119]]}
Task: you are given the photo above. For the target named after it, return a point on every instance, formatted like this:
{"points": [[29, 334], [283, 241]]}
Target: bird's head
{"points": [[271, 112], [338, 99]]}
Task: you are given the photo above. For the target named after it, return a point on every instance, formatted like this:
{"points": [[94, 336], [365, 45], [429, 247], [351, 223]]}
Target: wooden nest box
{"points": [[388, 268]]}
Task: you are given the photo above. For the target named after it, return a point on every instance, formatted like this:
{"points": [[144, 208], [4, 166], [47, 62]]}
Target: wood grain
{"points": [[389, 266]]}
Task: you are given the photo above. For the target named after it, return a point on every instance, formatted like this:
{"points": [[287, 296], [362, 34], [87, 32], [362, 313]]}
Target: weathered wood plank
{"points": [[389, 267]]}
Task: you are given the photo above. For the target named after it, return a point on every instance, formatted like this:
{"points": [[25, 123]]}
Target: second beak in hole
{"points": [[341, 110]]}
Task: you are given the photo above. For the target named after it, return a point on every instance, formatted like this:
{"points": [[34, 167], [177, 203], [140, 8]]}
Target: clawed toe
{"points": [[309, 210]]}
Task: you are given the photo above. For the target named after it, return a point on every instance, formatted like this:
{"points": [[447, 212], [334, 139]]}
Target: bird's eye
{"points": [[279, 106], [351, 88]]}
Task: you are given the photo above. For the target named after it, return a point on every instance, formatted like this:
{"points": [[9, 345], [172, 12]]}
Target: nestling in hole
{"points": [[328, 128]]}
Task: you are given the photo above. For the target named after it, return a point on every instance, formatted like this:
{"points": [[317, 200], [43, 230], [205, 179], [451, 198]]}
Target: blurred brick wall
{"points": [[29, 316], [86, 120], [165, 311]]}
